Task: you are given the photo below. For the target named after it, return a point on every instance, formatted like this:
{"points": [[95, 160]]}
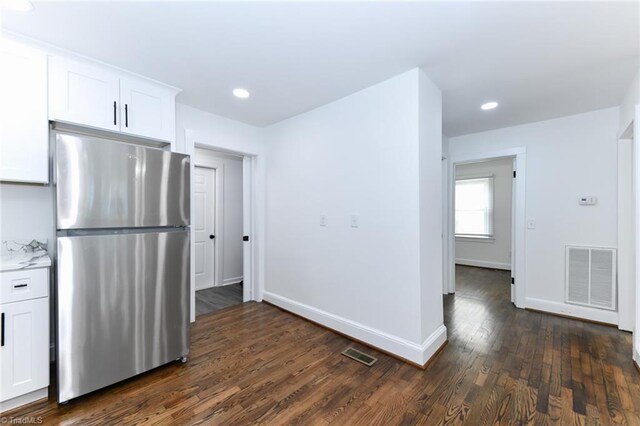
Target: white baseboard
{"points": [[205, 287], [483, 264], [636, 357], [21, 400], [229, 281], [413, 352], [581, 312]]}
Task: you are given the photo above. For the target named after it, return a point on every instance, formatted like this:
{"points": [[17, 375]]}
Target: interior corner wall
{"points": [[495, 253], [433, 331], [355, 156], [566, 158]]}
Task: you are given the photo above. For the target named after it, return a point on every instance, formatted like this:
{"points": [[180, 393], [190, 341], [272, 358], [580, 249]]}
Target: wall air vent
{"points": [[590, 277]]}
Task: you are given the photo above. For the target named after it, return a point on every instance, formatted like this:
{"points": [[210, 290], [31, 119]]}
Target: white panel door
{"points": [[247, 258], [24, 356], [204, 204], [147, 109], [83, 94], [24, 128]]}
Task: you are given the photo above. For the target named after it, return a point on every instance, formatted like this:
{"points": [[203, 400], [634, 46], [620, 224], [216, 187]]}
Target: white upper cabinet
{"points": [[24, 129], [83, 94], [87, 94], [147, 109]]}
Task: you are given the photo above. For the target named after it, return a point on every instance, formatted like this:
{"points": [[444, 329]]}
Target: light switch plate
{"points": [[531, 224], [355, 220], [323, 220]]}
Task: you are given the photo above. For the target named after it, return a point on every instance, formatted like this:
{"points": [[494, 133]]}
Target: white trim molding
{"points": [[25, 399], [475, 239], [232, 280], [484, 264], [400, 347], [576, 311]]}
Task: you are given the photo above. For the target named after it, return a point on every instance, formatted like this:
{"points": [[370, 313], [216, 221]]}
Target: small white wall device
{"points": [[588, 200]]}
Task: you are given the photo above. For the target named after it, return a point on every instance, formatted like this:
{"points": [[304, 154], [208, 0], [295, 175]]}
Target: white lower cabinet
{"points": [[24, 340]]}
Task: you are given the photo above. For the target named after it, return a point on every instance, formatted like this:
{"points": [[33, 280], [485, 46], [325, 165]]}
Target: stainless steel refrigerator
{"points": [[122, 265]]}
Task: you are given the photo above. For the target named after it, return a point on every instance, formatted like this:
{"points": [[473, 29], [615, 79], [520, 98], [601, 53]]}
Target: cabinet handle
{"points": [[126, 115], [114, 113], [2, 331]]}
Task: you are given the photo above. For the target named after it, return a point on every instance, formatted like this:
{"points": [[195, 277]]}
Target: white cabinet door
{"points": [[147, 109], [24, 128], [24, 355], [83, 94]]}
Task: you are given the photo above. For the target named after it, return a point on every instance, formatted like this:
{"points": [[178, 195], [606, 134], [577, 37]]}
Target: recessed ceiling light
{"points": [[489, 105], [241, 93], [18, 5]]}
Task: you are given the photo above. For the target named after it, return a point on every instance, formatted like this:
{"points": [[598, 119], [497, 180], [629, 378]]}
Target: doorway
{"points": [[252, 207], [478, 225], [218, 230], [483, 197]]}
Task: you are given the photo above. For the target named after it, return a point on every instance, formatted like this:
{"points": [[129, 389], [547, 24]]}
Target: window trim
{"points": [[485, 238]]}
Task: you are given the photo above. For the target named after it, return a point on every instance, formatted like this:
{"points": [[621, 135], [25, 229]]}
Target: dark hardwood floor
{"points": [[254, 363], [216, 298]]}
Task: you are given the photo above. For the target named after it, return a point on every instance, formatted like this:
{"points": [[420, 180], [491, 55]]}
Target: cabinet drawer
{"points": [[23, 285]]}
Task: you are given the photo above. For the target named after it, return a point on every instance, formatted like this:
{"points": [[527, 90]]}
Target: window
{"points": [[474, 207]]}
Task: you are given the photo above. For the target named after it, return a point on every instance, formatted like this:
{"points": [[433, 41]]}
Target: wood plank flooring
{"points": [[216, 298], [253, 363]]}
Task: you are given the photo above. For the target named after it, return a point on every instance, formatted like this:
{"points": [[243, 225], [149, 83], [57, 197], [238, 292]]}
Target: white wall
{"points": [[636, 219], [630, 116], [566, 158], [445, 212], [628, 104], [230, 239], [26, 212], [431, 224], [358, 155], [496, 252]]}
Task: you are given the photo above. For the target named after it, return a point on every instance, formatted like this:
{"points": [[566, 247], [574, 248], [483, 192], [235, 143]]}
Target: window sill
{"points": [[469, 238]]}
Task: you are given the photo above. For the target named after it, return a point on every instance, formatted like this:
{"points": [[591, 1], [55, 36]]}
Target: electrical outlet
{"points": [[588, 200]]}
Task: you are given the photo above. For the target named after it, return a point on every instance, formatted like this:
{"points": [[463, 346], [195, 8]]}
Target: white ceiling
{"points": [[538, 60]]}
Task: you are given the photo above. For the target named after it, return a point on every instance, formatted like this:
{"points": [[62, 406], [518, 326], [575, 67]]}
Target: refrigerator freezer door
{"points": [[107, 184], [123, 307]]}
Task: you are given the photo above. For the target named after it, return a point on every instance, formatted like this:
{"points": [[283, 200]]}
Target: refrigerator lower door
{"points": [[122, 307]]}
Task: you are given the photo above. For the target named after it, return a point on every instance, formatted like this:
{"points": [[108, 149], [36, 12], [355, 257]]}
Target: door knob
{"points": [[212, 237]]}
